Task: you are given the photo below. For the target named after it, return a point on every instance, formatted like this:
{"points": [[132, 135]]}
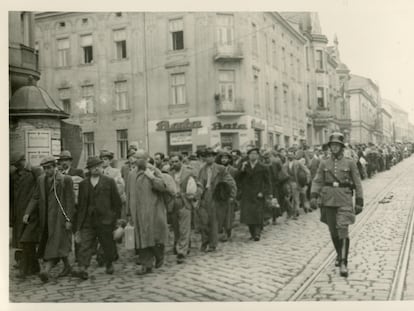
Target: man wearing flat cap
{"points": [[54, 201], [24, 236], [98, 211], [65, 162], [218, 189], [253, 179]]}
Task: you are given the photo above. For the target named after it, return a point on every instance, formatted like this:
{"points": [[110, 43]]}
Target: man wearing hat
{"points": [[54, 202], [24, 237], [255, 186], [336, 180], [98, 212], [65, 162], [129, 164], [218, 188]]}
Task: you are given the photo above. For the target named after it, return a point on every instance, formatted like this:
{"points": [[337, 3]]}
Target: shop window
{"points": [[89, 144], [120, 44], [87, 49], [122, 143], [177, 34]]}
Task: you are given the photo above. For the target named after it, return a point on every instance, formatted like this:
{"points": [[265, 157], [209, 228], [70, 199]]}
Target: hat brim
{"points": [[94, 164], [47, 163], [65, 158], [336, 142], [253, 149]]}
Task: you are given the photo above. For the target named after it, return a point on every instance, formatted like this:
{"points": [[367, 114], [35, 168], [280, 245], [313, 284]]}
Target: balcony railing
{"points": [[232, 52], [227, 108], [24, 57]]}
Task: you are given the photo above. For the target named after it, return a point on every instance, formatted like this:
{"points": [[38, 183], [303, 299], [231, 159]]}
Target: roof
{"points": [[307, 20], [359, 82], [33, 100], [394, 106]]}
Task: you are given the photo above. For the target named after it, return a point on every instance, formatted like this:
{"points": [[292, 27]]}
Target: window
{"points": [[88, 98], [63, 52], [266, 49], [120, 44], [307, 57], [89, 144], [122, 143], [121, 95], [308, 96], [285, 102], [343, 108], [256, 92], [225, 29], [118, 14], [274, 54], [319, 59], [292, 66], [178, 89], [226, 84], [86, 44], [64, 96], [284, 59], [320, 97], [62, 24], [267, 99], [177, 34], [84, 21], [254, 40], [276, 101], [298, 68]]}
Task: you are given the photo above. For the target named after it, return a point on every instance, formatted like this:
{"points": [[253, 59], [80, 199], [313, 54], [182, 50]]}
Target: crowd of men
{"points": [[58, 206]]}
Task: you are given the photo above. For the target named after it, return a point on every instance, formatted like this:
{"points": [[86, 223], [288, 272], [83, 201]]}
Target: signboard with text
{"points": [[181, 138], [38, 145]]}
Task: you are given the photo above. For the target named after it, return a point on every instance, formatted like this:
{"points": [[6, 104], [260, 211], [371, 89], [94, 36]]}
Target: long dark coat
{"points": [[252, 181], [22, 186], [59, 240]]}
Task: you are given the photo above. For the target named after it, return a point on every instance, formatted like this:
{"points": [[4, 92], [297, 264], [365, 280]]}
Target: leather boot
{"points": [[344, 257], [337, 244]]}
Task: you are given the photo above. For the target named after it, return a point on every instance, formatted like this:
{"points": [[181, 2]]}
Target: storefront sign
{"points": [[258, 124], [185, 125], [180, 138], [228, 126]]}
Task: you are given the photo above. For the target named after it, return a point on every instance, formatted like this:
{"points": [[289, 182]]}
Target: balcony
{"points": [[23, 62], [229, 109], [224, 52]]}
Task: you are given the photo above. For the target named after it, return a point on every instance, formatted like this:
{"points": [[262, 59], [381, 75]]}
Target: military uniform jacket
{"points": [[337, 191]]}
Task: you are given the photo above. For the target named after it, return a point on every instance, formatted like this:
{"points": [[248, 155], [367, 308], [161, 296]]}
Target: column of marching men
{"points": [[56, 209]]}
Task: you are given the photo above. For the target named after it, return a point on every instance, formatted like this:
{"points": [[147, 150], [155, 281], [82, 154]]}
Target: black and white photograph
{"points": [[220, 154]]}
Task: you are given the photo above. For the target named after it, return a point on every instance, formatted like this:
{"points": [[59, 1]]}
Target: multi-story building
{"points": [[387, 122], [196, 79], [401, 124], [365, 103], [410, 132], [326, 80]]}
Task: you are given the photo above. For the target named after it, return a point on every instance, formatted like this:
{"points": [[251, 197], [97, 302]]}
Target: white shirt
{"points": [[94, 181]]}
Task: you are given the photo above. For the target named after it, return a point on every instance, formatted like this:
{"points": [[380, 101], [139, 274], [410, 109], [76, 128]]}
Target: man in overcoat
{"points": [[22, 186], [335, 182], [54, 202], [99, 209], [255, 186], [146, 204], [218, 189]]}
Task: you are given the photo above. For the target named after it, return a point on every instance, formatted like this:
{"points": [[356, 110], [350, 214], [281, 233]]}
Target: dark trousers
{"points": [[255, 230], [29, 263], [148, 254], [89, 235], [208, 226], [334, 229]]}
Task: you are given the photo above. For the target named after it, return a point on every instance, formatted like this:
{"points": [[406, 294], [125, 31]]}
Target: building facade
{"points": [[387, 122], [197, 79], [401, 123], [326, 81], [366, 112]]}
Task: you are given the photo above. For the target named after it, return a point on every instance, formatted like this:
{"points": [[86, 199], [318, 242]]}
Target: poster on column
{"points": [[38, 145]]}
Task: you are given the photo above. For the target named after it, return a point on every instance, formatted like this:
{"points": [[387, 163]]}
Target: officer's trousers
{"points": [[336, 230]]}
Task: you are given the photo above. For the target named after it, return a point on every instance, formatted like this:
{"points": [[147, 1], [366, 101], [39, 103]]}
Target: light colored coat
{"points": [[116, 175], [145, 201]]}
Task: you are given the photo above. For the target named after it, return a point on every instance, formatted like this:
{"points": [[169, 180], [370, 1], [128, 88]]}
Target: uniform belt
{"points": [[338, 185]]}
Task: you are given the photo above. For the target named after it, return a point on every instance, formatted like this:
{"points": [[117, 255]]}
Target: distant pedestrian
{"points": [[54, 200]]}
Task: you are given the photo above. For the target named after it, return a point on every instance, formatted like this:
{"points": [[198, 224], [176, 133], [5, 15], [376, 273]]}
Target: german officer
{"points": [[336, 179]]}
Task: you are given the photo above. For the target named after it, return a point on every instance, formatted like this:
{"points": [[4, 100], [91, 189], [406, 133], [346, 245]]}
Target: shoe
{"points": [[65, 272], [82, 274], [159, 263], [224, 239], [143, 271], [100, 261], [44, 276], [109, 269], [180, 258], [211, 249], [295, 217], [203, 247], [257, 238], [274, 222]]}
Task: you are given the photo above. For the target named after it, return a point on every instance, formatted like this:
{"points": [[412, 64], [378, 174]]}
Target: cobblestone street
{"points": [[270, 270]]}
